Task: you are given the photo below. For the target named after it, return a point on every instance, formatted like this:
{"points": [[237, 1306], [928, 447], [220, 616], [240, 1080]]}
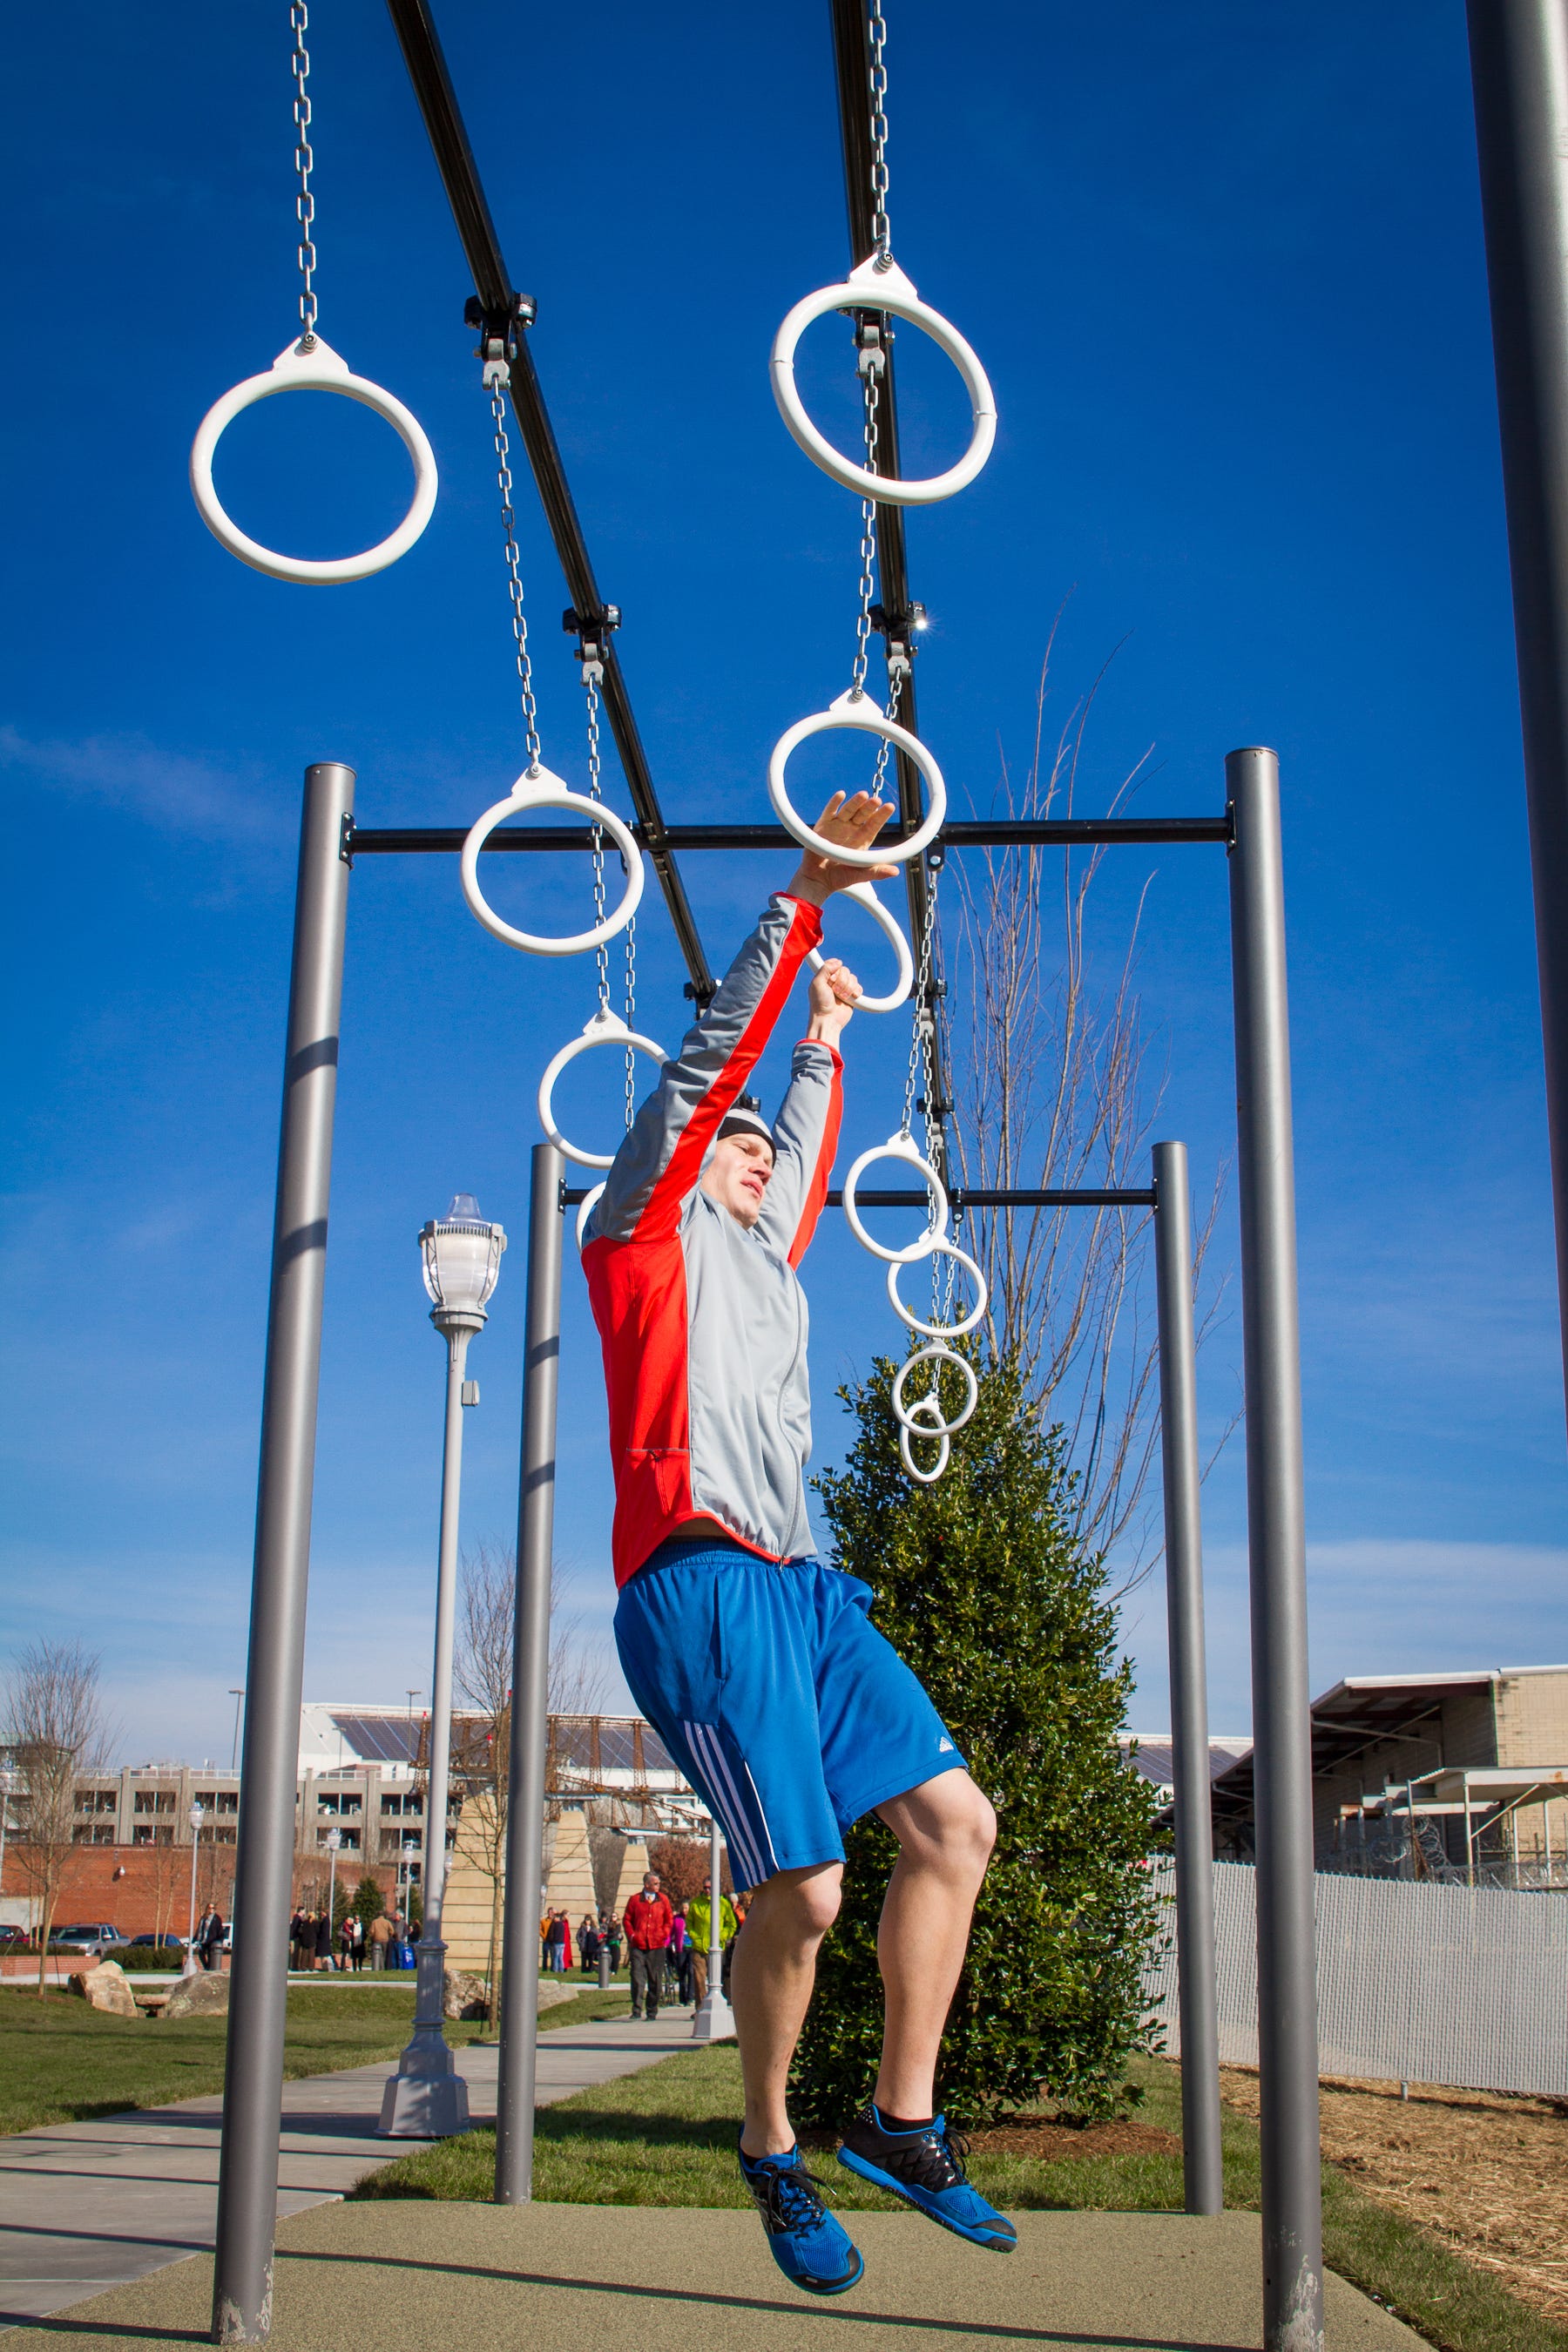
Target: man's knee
{"points": [[802, 1901], [948, 1822]]}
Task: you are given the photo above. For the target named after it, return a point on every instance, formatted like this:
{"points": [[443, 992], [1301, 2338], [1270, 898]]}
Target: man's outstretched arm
{"points": [[806, 1132], [660, 1160]]}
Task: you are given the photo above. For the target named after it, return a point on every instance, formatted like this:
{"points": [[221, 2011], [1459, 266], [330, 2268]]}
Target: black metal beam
{"points": [[493, 284], [852, 60], [960, 1198], [1015, 833]]}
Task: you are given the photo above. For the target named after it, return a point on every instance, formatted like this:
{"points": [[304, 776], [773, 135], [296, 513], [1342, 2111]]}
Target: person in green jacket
{"points": [[698, 1927]]}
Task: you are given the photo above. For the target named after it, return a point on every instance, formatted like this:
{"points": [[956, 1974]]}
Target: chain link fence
{"points": [[1416, 1982]]}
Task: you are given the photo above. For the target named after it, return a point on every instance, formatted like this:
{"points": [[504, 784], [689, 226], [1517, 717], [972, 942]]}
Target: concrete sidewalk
{"points": [[447, 2277], [91, 2205]]}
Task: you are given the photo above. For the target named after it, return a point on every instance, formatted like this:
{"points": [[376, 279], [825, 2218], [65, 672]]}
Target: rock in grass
{"points": [[106, 1987], [198, 1996], [463, 1995]]}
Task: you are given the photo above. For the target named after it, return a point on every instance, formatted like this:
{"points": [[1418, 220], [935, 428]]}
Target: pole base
{"points": [[714, 2020], [424, 2106]]}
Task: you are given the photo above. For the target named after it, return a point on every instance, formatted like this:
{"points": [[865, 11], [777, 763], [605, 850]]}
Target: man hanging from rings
{"points": [[759, 1666]]}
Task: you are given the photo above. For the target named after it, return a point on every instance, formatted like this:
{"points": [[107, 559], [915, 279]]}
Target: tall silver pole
{"points": [[529, 1689], [253, 2073], [427, 2098], [1276, 1544], [1203, 2172], [1519, 68], [714, 2020]]}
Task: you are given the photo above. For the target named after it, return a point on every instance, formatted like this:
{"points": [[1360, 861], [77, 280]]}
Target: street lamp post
{"points": [[7, 1789], [334, 1840], [196, 1818], [715, 2019], [409, 1852], [427, 2098], [237, 1694]]}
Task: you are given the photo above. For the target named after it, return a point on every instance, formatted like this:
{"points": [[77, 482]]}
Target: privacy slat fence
{"points": [[1416, 1982]]}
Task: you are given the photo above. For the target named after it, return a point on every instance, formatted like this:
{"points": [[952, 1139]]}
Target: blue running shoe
{"points": [[810, 2247], [925, 2168]]}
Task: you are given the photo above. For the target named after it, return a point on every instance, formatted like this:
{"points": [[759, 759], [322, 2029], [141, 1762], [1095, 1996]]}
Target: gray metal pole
{"points": [[1277, 1544], [529, 1688], [1203, 2172], [1519, 68], [253, 2073], [427, 2098]]}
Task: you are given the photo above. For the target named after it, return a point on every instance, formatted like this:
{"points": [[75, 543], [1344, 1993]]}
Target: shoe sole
{"points": [[880, 2179]]}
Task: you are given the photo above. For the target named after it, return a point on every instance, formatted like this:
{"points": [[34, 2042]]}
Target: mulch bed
{"points": [[1485, 2172], [1053, 2143]]}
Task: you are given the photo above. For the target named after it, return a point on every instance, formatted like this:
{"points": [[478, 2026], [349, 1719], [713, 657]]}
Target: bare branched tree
{"points": [[482, 1675], [1055, 1091], [55, 1732]]}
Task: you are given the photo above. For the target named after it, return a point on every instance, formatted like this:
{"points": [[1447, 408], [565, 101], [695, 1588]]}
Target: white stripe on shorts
{"points": [[706, 1747]]}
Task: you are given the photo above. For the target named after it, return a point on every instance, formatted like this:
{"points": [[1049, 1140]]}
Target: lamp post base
{"points": [[427, 2098], [714, 2020]]}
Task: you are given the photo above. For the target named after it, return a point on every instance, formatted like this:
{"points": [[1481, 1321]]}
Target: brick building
{"points": [[1447, 1773]]}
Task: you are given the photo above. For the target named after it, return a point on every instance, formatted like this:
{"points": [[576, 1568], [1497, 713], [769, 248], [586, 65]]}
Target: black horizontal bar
{"points": [[421, 46], [982, 833], [980, 1197]]}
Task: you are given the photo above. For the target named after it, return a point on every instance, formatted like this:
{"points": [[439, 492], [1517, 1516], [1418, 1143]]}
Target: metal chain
{"points": [[920, 1042], [304, 163], [631, 1017], [591, 686], [881, 227], [514, 582], [868, 582]]}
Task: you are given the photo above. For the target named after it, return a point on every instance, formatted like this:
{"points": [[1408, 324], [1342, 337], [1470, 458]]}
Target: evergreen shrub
{"points": [[983, 1587]]}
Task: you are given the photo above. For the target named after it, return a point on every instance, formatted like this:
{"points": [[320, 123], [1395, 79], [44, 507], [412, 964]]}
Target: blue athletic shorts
{"points": [[777, 1697]]}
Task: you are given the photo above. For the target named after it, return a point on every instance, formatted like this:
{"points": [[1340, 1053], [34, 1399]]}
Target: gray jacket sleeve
{"points": [[658, 1166], [805, 1140]]}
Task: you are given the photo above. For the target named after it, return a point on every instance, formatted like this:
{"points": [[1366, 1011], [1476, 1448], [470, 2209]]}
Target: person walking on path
{"points": [[758, 1667], [698, 1927], [613, 1937], [380, 1936], [209, 1938], [648, 1920], [324, 1941]]}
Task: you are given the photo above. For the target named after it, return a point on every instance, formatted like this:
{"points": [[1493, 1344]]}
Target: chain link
{"points": [[304, 163], [868, 582], [631, 1017], [921, 1042], [514, 580], [880, 225], [591, 687]]}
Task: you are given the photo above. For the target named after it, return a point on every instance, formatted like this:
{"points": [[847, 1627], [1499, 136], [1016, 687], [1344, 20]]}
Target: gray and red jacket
{"points": [[703, 1323]]}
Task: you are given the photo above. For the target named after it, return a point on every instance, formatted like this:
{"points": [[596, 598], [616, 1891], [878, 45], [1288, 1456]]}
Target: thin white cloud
{"points": [[1375, 1606], [165, 789]]}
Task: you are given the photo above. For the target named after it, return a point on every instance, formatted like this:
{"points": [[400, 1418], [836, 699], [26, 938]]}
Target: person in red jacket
{"points": [[650, 1922]]}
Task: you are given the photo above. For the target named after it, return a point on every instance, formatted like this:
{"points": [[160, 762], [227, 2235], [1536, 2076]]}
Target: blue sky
{"points": [[1225, 271]]}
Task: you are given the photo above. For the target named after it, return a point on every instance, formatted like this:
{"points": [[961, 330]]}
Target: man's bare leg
{"points": [[771, 1979], [945, 1830]]}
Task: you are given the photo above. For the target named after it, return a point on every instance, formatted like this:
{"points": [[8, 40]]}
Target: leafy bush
{"points": [[159, 1957], [981, 1586]]}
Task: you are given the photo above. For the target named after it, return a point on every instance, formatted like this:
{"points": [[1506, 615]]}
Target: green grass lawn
{"points": [[61, 2061], [666, 2136]]}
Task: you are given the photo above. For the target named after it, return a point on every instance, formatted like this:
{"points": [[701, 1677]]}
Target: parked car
{"points": [[168, 1943], [93, 1940], [10, 1933]]}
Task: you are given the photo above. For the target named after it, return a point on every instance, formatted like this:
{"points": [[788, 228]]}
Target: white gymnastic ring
{"points": [[540, 789], [940, 1330], [865, 896], [321, 370], [940, 1353], [907, 1432], [584, 1210], [856, 711], [606, 1028], [898, 1147], [867, 289]]}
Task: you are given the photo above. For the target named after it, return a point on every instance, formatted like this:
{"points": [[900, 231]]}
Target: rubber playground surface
{"points": [[685, 2280]]}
